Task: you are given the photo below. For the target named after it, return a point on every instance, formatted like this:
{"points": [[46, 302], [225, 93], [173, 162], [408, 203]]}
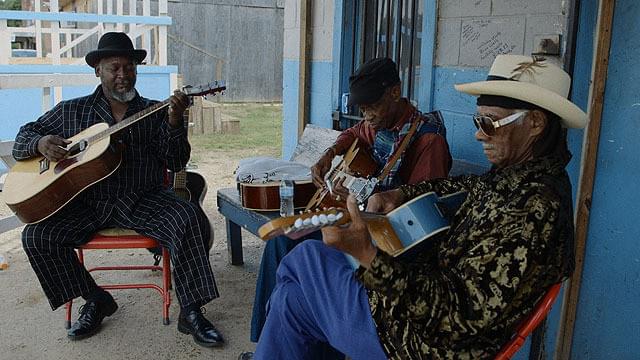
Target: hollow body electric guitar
{"points": [[357, 167], [37, 188], [406, 230]]}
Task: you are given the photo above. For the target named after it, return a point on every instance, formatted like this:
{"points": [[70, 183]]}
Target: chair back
{"points": [[530, 323]]}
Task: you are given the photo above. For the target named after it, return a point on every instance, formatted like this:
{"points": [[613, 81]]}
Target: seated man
{"points": [[508, 243], [376, 89], [131, 197]]}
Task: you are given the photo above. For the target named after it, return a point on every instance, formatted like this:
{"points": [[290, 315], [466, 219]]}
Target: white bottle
{"points": [[286, 197]]}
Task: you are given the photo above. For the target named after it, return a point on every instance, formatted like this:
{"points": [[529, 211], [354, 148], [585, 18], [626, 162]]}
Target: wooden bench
{"points": [[313, 141]]}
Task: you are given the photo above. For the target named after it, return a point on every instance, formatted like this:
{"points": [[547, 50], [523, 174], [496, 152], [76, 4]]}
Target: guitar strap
{"points": [[399, 151]]}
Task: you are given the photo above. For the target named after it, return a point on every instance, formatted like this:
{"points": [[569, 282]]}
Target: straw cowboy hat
{"points": [[532, 80], [114, 44]]}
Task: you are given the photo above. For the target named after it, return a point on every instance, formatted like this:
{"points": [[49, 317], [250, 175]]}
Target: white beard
{"points": [[123, 97]]}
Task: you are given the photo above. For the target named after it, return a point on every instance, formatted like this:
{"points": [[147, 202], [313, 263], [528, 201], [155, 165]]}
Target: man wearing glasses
{"points": [[508, 243], [387, 117]]}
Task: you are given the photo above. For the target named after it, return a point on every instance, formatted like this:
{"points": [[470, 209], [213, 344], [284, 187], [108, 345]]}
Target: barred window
{"points": [[381, 28]]}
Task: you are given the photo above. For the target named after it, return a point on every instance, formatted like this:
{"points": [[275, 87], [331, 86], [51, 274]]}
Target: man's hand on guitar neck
{"points": [[322, 166], [354, 238], [178, 104], [385, 201], [53, 147]]}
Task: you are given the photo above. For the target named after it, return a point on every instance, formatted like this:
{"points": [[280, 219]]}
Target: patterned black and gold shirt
{"points": [[509, 242]]}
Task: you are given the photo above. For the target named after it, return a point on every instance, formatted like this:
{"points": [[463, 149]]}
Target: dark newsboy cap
{"points": [[371, 79]]}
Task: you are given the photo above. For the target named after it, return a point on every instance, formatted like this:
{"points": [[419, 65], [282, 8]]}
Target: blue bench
{"points": [[237, 217]]}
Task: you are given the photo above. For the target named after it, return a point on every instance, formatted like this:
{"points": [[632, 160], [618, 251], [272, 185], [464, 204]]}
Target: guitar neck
{"points": [[128, 121], [210, 88]]}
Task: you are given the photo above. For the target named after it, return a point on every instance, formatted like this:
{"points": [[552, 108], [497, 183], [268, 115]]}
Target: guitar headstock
{"points": [[211, 88], [297, 226]]}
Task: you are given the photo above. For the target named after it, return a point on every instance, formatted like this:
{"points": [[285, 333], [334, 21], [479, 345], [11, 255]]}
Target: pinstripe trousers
{"points": [[178, 225]]}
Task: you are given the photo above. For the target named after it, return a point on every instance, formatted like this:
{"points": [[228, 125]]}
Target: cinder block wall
{"points": [[472, 33], [321, 74]]}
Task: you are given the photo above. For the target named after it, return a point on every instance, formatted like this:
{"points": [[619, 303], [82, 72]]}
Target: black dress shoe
{"points": [[203, 332], [246, 356], [91, 315]]}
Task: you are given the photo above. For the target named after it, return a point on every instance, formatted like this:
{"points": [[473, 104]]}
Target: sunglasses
{"points": [[488, 126]]}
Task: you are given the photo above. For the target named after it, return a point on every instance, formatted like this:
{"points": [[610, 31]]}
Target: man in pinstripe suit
{"points": [[132, 197]]}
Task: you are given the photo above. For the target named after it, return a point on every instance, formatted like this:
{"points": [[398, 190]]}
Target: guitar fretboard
{"points": [[128, 121]]}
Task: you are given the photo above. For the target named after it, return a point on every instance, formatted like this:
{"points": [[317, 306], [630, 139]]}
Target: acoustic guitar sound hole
{"points": [[77, 148], [410, 222]]}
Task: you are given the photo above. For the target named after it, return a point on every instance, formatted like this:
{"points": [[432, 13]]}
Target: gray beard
{"points": [[123, 97]]}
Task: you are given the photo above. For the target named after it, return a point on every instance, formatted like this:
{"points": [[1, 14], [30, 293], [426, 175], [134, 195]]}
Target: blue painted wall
{"points": [[608, 319], [321, 100], [20, 106]]}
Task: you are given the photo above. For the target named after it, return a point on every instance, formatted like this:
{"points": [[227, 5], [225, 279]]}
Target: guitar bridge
{"points": [[362, 188], [44, 164]]}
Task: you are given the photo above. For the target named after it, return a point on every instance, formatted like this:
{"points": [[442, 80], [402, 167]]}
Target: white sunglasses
{"points": [[488, 126]]}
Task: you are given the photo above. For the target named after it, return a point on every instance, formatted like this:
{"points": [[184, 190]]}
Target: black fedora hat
{"points": [[114, 44]]}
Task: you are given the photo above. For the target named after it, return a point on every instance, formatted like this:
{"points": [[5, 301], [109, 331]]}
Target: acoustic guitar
{"points": [[37, 188], [403, 232], [266, 196]]}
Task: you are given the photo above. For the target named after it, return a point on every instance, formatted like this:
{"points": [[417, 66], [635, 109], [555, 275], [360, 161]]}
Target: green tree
{"points": [[10, 5]]}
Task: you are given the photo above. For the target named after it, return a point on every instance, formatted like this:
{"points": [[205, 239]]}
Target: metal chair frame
{"points": [[530, 323], [129, 240]]}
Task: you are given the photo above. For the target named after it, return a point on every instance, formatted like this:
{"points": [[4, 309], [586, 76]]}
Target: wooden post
{"points": [[303, 93], [587, 175], [55, 47], [132, 12], [100, 5], [5, 42], [208, 117], [161, 42], [38, 38], [196, 115], [146, 35], [119, 12]]}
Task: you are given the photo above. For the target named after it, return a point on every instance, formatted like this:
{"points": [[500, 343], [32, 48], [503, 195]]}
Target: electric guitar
{"points": [[408, 229], [37, 188], [357, 167]]}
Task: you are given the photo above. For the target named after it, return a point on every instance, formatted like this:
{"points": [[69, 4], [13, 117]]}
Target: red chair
{"points": [[530, 323], [129, 239]]}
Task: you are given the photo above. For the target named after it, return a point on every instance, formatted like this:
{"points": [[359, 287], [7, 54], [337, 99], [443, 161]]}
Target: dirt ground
{"points": [[30, 330]]}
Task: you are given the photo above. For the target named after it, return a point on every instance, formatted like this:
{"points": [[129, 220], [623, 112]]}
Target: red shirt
{"points": [[427, 157]]}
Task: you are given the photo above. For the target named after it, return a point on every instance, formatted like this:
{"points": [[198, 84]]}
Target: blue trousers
{"points": [[317, 300], [274, 251]]}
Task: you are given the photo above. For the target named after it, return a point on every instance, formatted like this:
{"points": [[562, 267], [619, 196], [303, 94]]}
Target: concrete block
{"points": [[526, 7], [463, 8], [291, 44], [322, 44], [541, 25], [291, 14], [448, 42], [483, 39], [318, 8]]}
